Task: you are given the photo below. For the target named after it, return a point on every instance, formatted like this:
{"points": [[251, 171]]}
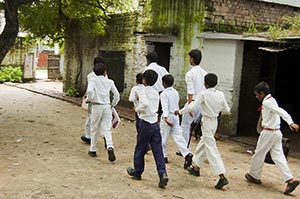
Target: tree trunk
{"points": [[11, 28]]}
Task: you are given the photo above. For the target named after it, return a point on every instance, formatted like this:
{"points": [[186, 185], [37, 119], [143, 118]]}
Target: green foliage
{"points": [[252, 27], [11, 74], [72, 91], [48, 19]]}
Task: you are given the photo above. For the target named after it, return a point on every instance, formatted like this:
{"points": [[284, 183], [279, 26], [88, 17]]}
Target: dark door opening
{"points": [[115, 62], [163, 51]]}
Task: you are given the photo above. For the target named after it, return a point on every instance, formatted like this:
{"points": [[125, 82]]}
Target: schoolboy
{"points": [[211, 102], [98, 93], [149, 131], [169, 123]]}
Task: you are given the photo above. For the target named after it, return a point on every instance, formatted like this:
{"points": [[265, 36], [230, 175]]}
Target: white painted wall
{"points": [[224, 58]]}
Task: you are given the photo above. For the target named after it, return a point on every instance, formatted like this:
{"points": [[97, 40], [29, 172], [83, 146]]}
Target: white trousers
{"points": [[269, 140], [186, 123], [101, 117], [176, 133], [87, 125], [207, 147]]}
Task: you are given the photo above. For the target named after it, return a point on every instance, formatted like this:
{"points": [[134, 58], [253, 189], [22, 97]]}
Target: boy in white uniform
{"points": [[98, 93], [87, 137], [211, 102], [270, 139], [170, 122], [148, 132], [194, 79], [134, 96]]}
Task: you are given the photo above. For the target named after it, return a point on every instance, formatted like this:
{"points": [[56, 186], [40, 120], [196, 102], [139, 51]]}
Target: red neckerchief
{"points": [[260, 107]]}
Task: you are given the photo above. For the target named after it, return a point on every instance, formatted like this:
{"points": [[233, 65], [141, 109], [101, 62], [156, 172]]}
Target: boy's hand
{"points": [[294, 127], [176, 112], [168, 122]]}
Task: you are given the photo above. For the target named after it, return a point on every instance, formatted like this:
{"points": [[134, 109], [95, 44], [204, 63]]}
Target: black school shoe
{"points": [[92, 154], [86, 140], [221, 183], [132, 173], [188, 161], [163, 180], [192, 171], [111, 154]]}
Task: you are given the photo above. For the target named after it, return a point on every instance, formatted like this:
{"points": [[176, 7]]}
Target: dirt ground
{"points": [[42, 156]]}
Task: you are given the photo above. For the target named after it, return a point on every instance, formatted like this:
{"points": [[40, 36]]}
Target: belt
{"points": [[268, 129], [97, 103]]}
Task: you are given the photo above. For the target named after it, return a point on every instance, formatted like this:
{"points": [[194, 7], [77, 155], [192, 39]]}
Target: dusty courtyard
{"points": [[42, 156]]}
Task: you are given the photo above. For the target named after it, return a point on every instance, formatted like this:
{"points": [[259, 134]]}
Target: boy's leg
{"points": [[95, 122], [165, 130], [105, 126], [156, 146], [142, 142], [264, 144], [209, 127], [279, 158], [180, 141]]}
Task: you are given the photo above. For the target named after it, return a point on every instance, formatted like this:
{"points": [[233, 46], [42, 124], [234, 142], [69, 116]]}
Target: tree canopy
{"points": [[48, 19]]}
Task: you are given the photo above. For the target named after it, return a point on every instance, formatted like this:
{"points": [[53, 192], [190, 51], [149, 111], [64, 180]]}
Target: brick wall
{"points": [[237, 15]]}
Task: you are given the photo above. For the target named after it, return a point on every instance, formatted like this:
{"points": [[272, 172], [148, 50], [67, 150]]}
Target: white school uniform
{"points": [[134, 93], [211, 102], [148, 104], [98, 93], [270, 140], [169, 101], [194, 79], [161, 71]]}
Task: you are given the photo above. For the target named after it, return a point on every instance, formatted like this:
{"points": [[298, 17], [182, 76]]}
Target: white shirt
{"points": [[134, 94], [169, 101], [271, 114], [148, 104], [211, 102], [99, 88], [194, 79], [161, 71]]}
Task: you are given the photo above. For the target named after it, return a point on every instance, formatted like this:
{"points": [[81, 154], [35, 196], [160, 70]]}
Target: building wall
{"points": [[238, 15]]}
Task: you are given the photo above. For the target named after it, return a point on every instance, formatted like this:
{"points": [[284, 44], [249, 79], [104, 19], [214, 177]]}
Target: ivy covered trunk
{"points": [[80, 50]]}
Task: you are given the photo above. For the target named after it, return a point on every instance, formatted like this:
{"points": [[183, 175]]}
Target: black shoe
{"points": [[132, 173], [105, 145], [221, 183], [166, 160], [92, 154], [86, 140], [178, 153], [192, 171], [163, 180], [111, 154], [188, 160]]}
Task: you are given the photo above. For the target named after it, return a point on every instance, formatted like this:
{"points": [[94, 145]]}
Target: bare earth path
{"points": [[42, 156]]}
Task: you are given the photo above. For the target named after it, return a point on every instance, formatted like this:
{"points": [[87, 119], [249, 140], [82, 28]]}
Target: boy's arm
{"points": [[90, 92], [132, 94], [116, 95], [192, 106]]}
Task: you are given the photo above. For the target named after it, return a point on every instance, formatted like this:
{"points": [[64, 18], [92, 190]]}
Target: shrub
{"points": [[72, 91], [11, 74]]}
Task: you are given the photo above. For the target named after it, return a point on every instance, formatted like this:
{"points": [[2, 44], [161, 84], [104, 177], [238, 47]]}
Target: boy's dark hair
{"points": [[152, 57], [139, 78], [168, 79], [211, 80], [196, 55], [262, 87], [99, 69], [98, 60], [150, 76]]}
